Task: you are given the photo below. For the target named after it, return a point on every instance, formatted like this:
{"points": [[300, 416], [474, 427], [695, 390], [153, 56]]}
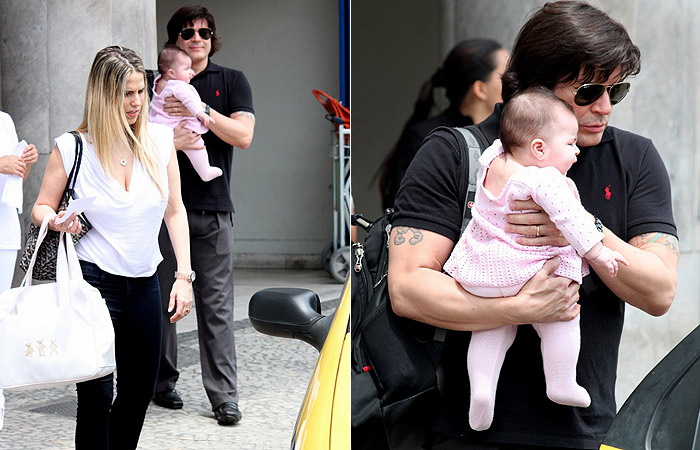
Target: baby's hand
{"points": [[205, 119], [604, 258]]}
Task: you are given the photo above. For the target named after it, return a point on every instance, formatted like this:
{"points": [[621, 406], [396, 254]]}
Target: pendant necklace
{"points": [[122, 161]]}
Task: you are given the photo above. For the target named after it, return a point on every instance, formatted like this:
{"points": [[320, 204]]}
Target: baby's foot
{"points": [[571, 395], [481, 412]]}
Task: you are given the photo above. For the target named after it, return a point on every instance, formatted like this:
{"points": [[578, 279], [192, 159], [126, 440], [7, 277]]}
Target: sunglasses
{"points": [[188, 33], [590, 92]]}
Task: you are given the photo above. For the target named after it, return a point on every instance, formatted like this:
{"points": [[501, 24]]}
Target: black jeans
{"points": [[134, 305]]}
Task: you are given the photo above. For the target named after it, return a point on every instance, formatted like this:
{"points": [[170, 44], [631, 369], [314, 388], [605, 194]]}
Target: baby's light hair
{"points": [[168, 56], [527, 115]]}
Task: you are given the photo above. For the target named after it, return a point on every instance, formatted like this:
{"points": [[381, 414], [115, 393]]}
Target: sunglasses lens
{"points": [[588, 93], [618, 92], [187, 33], [205, 33]]}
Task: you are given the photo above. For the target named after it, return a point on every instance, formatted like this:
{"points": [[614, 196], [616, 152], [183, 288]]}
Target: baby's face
{"points": [[562, 142], [183, 68]]}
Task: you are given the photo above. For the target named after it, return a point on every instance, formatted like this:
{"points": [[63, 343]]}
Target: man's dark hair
{"points": [[185, 17], [167, 57], [563, 40], [528, 115]]}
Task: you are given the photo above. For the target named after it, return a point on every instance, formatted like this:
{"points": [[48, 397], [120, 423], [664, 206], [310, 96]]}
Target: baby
{"points": [[175, 67], [537, 147]]}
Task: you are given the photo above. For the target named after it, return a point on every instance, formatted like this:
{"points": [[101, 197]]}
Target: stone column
{"points": [[46, 50]]}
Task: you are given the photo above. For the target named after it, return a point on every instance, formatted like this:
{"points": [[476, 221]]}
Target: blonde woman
{"points": [[130, 168]]}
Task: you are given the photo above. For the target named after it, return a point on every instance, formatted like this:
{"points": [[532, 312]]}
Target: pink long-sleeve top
{"points": [[486, 255], [189, 97]]}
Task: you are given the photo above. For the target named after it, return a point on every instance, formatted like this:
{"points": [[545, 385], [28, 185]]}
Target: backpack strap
{"points": [[475, 142], [472, 142]]}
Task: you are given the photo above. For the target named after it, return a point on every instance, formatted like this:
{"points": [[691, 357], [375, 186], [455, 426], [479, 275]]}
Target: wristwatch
{"points": [[207, 109], [598, 224], [185, 276]]}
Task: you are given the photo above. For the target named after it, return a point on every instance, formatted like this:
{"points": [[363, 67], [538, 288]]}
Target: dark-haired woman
{"points": [[471, 76]]}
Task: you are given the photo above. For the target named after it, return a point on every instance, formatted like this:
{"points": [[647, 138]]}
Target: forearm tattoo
{"points": [[668, 241], [401, 234], [250, 116]]}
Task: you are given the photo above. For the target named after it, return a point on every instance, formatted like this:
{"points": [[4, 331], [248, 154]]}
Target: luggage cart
{"points": [[336, 255]]}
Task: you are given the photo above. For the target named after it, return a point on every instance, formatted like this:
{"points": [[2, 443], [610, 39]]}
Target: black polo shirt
{"points": [[227, 91], [624, 182]]}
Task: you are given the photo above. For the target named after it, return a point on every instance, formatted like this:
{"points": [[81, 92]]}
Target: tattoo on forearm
{"points": [[250, 116], [668, 241], [401, 232]]}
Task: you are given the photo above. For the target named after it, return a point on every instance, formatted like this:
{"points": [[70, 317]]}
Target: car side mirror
{"points": [[290, 313]]}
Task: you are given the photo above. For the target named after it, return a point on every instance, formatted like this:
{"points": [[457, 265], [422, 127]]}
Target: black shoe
{"points": [[168, 399], [227, 413]]}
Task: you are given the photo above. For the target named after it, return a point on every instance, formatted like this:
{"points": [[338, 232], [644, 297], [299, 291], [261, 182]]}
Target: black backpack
{"points": [[394, 381]]}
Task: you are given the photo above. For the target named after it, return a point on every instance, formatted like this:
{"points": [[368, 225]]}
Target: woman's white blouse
{"points": [[125, 224]]}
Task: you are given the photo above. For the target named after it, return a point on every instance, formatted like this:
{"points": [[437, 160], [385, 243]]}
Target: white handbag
{"points": [[55, 333]]}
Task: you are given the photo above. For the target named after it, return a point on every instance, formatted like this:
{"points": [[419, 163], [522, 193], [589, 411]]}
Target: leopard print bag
{"points": [[45, 267]]}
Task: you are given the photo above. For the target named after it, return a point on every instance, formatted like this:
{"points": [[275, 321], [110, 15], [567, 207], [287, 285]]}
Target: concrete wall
{"points": [[396, 47], [282, 185], [663, 105]]}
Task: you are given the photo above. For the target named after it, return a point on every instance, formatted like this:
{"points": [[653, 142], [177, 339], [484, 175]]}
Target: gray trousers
{"points": [[211, 252]]}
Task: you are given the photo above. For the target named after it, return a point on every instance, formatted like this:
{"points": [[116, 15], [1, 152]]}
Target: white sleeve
{"points": [[66, 147], [8, 134]]}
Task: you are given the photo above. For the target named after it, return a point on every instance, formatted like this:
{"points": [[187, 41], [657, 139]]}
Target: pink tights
{"points": [[561, 342], [200, 162]]}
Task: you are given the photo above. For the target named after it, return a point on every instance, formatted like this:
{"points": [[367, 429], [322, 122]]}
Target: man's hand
{"points": [[186, 139], [174, 107], [547, 298], [534, 225]]}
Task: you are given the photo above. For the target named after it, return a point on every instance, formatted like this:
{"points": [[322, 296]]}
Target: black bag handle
{"points": [[69, 191], [73, 176]]}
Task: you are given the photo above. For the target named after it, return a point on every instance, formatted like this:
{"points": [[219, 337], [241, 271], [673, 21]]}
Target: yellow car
{"points": [[323, 422]]}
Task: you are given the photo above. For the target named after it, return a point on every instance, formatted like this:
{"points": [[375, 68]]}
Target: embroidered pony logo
{"points": [[608, 194]]}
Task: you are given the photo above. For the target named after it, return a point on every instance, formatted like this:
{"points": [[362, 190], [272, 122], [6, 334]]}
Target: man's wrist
{"points": [[207, 109]]}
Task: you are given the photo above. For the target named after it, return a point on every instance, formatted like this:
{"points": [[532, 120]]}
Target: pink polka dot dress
{"points": [[487, 256]]}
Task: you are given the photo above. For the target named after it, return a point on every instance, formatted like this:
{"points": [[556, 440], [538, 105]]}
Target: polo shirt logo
{"points": [[217, 92], [608, 194]]}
